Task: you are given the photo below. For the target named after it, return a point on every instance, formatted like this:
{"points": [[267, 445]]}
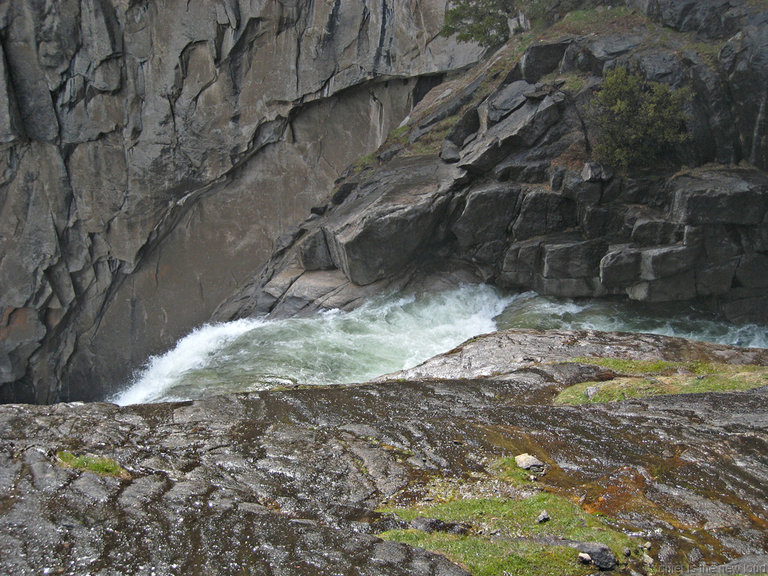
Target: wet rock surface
{"points": [[152, 153], [289, 481]]}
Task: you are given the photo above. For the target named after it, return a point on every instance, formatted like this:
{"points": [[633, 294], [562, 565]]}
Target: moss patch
{"points": [[581, 22], [95, 464], [504, 535], [485, 557], [639, 379]]}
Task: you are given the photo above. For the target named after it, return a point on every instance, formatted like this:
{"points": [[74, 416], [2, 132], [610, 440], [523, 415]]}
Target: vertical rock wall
{"points": [[151, 150]]}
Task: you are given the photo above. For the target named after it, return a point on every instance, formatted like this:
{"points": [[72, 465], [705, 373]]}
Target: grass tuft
{"points": [[640, 379], [95, 464]]}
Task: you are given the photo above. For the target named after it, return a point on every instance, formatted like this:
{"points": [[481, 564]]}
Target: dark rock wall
{"points": [[524, 207], [150, 151]]}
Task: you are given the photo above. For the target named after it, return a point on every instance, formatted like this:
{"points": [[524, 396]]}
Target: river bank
{"points": [[303, 480]]}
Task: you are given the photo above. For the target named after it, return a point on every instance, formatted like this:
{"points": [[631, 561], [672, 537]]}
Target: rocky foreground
{"points": [[296, 481]]}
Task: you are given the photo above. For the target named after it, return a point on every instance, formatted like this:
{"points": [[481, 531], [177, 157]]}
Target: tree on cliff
{"points": [[483, 21], [487, 21], [637, 121]]}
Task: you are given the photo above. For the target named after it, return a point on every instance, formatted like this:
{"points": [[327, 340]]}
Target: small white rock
{"points": [[526, 461], [585, 558]]}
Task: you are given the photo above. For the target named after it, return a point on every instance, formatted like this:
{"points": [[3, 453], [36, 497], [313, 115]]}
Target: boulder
{"points": [[600, 555], [376, 235], [543, 212], [665, 261], [541, 59], [655, 231], [487, 213], [727, 197], [520, 265], [465, 128], [313, 252], [711, 18], [521, 128], [527, 462], [572, 258], [679, 287], [508, 99]]}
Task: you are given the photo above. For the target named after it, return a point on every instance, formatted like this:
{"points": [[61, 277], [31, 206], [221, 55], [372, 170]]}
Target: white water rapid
{"points": [[387, 334], [384, 335]]}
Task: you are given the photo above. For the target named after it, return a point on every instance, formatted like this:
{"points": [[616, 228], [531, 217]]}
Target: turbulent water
{"points": [[387, 334], [384, 335]]}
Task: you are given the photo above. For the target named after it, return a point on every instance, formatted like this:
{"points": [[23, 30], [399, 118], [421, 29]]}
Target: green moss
{"points": [[399, 135], [573, 82], [95, 464], [484, 557], [639, 379], [507, 469], [517, 518], [431, 141], [506, 537], [635, 367], [366, 161]]}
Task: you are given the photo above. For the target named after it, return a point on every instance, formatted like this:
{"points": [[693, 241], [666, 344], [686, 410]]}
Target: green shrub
{"points": [[543, 13], [481, 21], [637, 122]]}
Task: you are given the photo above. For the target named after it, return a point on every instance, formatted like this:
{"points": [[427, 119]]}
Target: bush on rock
{"points": [[637, 122]]}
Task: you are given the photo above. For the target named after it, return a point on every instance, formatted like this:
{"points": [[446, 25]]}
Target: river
{"points": [[390, 333]]}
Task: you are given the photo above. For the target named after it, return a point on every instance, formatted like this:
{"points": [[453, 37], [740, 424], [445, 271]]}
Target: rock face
{"points": [[152, 150], [288, 481], [525, 207]]}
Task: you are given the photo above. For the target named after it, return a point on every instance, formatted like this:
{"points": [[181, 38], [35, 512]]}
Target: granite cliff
{"points": [[493, 177], [152, 150]]}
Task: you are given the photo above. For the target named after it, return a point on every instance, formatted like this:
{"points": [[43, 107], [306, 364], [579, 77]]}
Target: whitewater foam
{"points": [[190, 353], [388, 334], [384, 335]]}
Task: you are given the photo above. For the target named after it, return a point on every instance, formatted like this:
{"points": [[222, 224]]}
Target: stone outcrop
{"points": [[152, 150], [526, 208], [290, 481]]}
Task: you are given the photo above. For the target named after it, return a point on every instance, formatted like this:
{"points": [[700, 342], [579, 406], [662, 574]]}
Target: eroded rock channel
{"points": [[301, 481]]}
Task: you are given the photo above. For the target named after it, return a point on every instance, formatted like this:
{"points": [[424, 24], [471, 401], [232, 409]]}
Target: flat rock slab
{"points": [[289, 481], [503, 353]]}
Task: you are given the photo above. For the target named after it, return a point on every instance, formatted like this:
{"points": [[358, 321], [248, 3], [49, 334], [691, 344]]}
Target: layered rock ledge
{"points": [[493, 178]]}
